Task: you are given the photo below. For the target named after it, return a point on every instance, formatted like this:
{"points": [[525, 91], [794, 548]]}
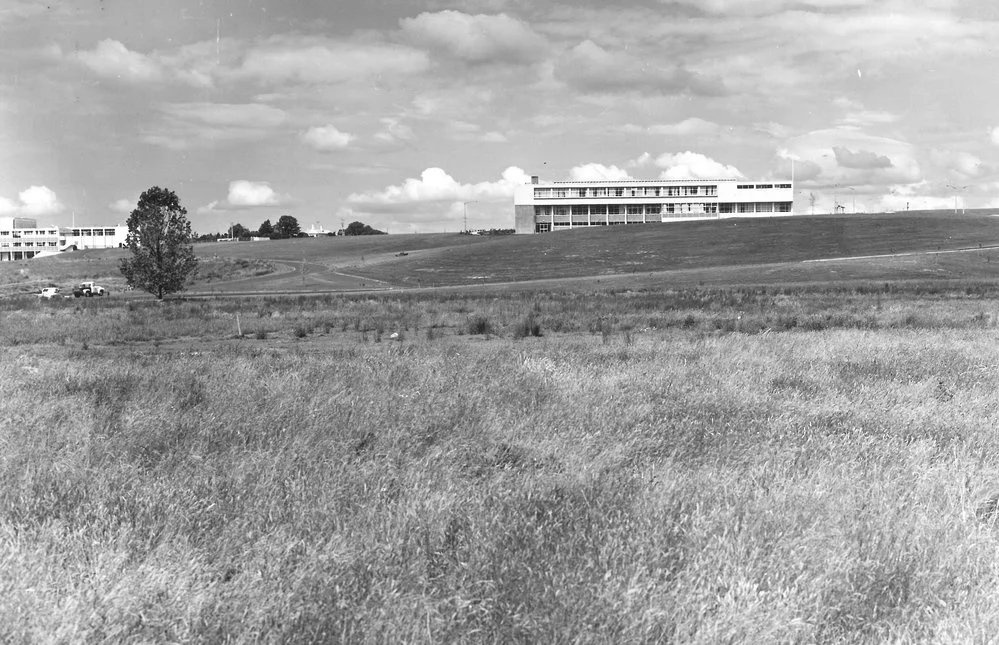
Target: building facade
{"points": [[22, 239], [562, 205]]}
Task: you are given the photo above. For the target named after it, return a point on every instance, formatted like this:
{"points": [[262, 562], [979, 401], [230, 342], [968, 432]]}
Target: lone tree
{"points": [[159, 237], [287, 226]]}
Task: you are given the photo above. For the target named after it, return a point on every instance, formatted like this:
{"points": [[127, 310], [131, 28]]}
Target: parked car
{"points": [[49, 292], [88, 289]]}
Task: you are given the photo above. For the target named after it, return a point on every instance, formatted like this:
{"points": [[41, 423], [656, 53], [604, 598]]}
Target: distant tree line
{"points": [[360, 228], [286, 227], [491, 231]]}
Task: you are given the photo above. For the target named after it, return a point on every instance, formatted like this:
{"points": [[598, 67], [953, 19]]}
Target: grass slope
{"points": [[743, 251], [686, 245]]}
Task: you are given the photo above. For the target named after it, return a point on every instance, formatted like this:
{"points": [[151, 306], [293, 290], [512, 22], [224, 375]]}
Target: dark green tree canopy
{"points": [[266, 229], [287, 226], [360, 228], [238, 231], [159, 237]]}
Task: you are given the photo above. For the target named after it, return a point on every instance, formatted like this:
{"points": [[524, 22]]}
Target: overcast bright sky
{"points": [[396, 112]]}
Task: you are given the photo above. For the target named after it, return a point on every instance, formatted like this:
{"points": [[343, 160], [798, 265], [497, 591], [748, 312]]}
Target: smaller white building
{"points": [[22, 239]]}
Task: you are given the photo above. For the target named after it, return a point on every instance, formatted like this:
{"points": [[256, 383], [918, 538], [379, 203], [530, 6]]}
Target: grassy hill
{"points": [[685, 246], [734, 251]]}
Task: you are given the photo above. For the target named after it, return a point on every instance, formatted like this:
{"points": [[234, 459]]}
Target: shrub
{"points": [[527, 327], [479, 324]]}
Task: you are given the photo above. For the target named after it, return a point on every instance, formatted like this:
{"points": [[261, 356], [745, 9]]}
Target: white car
{"points": [[89, 289], [49, 292]]}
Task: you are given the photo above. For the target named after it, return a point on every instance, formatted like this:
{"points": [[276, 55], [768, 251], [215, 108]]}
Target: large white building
{"points": [[21, 238], [561, 205]]}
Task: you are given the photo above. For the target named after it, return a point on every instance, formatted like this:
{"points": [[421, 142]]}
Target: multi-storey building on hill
{"points": [[543, 207], [22, 239]]}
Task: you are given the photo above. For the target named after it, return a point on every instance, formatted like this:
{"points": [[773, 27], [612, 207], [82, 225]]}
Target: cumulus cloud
{"points": [[435, 186], [861, 159], [323, 60], [123, 205], [252, 194], [475, 39], [880, 162], [591, 68], [245, 195], [688, 165], [598, 172], [34, 201], [111, 59], [326, 138], [436, 201]]}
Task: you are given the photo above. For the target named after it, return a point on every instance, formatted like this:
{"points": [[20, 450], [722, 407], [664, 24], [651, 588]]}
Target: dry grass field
{"points": [[782, 464], [738, 445]]}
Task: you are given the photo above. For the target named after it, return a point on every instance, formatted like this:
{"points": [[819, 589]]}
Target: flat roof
{"points": [[661, 181]]}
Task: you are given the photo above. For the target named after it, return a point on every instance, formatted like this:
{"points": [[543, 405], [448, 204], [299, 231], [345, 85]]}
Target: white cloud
{"points": [[597, 172], [994, 135], [244, 195], [111, 59], [437, 202], [694, 126], [294, 58], [920, 195], [846, 156], [591, 68], [394, 131], [435, 185], [7, 206], [476, 39], [326, 138], [252, 194], [34, 201], [123, 205], [689, 165], [958, 164]]}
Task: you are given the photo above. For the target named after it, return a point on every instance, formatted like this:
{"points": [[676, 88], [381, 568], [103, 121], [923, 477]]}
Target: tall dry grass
{"points": [[685, 486]]}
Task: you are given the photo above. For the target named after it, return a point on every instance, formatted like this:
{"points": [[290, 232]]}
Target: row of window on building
{"points": [[27, 244], [686, 208], [625, 191], [761, 186], [76, 232]]}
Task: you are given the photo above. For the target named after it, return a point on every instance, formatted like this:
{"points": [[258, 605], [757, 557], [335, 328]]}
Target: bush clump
{"points": [[527, 327], [479, 324]]}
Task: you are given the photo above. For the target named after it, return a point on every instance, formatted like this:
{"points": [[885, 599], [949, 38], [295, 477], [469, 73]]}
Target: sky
{"points": [[411, 115]]}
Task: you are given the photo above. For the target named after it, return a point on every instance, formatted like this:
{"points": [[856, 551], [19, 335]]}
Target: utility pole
{"points": [[464, 206], [957, 188]]}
